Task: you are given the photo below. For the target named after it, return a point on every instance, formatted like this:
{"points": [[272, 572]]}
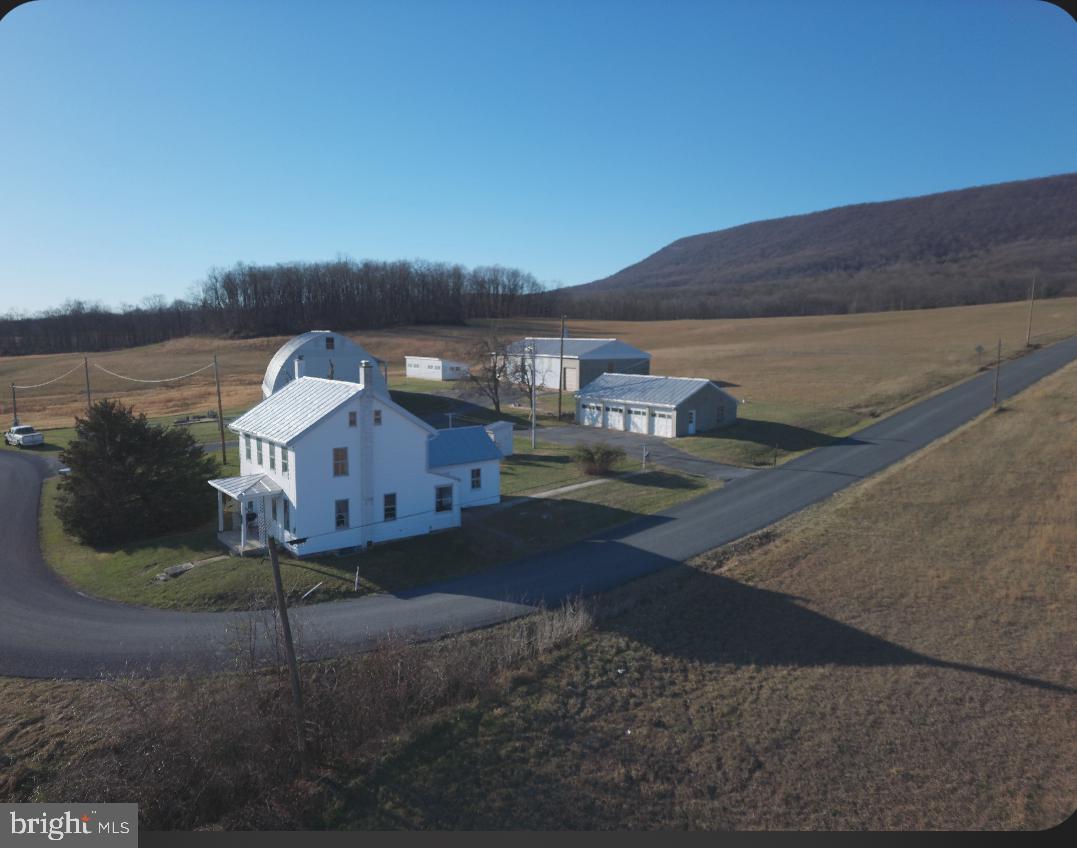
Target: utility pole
{"points": [[561, 369], [14, 407], [644, 457], [289, 652], [220, 409], [998, 361], [89, 399], [532, 396], [1031, 303], [450, 419]]}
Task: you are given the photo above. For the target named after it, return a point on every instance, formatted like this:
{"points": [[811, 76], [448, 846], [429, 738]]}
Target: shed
{"points": [[654, 405], [584, 360], [435, 368], [468, 455]]}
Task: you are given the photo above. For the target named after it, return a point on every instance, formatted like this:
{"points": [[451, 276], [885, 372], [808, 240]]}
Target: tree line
{"points": [[255, 300]]}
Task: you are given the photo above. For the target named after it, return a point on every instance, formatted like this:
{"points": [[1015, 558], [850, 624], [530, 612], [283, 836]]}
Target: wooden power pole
{"points": [[14, 407], [220, 410], [289, 653], [89, 399], [561, 370], [998, 362], [1031, 303]]}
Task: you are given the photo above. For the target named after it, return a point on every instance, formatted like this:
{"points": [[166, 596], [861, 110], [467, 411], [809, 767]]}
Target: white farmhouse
{"points": [[435, 368], [332, 464]]}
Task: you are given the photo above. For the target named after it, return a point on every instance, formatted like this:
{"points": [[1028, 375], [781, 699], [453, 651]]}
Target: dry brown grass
{"points": [[902, 656], [863, 362]]}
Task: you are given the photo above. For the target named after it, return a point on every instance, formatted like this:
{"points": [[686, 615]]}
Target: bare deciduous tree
{"points": [[491, 368]]}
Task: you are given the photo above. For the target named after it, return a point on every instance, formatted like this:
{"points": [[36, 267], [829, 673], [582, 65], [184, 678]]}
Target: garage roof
{"points": [[580, 348], [640, 388]]}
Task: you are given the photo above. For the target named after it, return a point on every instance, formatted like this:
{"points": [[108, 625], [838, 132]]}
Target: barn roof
{"points": [[460, 445], [286, 414], [345, 355], [640, 388], [580, 348]]}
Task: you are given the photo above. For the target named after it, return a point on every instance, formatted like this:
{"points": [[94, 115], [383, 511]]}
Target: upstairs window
{"points": [[476, 478], [284, 460], [352, 417], [258, 450], [377, 416], [272, 457], [443, 499], [390, 506], [340, 462], [247, 442]]}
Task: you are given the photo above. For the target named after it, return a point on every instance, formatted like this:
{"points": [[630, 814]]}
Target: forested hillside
{"points": [[977, 245]]}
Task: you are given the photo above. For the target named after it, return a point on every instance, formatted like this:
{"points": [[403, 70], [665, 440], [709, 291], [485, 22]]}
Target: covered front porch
{"points": [[247, 507]]}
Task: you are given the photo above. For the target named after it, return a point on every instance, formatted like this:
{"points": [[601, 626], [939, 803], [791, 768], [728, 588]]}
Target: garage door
{"points": [[637, 420], [663, 424], [591, 414], [615, 417]]}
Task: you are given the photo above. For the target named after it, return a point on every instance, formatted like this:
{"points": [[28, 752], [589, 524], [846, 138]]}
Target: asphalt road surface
{"points": [[48, 630]]}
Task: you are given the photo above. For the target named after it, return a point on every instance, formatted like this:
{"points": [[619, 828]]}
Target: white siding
{"points": [[490, 491]]}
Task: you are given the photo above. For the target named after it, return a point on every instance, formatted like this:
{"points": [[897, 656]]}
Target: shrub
{"points": [[598, 458]]}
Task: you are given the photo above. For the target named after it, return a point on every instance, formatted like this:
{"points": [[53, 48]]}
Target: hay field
{"points": [[867, 363]]}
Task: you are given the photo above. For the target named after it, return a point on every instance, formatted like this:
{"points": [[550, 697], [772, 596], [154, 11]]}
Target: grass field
{"points": [[902, 655], [897, 657], [127, 573], [856, 364]]}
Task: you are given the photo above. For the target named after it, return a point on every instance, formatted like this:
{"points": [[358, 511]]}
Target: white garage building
{"points": [[653, 405], [434, 368], [584, 359]]}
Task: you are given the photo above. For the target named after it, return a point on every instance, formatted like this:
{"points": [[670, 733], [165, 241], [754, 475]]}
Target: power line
{"points": [[137, 380], [48, 382]]}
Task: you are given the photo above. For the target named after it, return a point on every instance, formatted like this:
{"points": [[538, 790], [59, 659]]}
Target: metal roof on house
{"points": [[640, 388], [249, 485], [301, 404], [346, 356], [580, 348], [461, 445]]}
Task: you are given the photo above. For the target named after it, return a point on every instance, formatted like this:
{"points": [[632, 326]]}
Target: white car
{"points": [[23, 436]]}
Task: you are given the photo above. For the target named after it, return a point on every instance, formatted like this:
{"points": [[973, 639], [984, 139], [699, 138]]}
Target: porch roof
{"points": [[249, 485]]}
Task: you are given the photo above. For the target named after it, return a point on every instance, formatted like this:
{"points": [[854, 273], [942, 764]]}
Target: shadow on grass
{"points": [[771, 434], [662, 480], [729, 622]]}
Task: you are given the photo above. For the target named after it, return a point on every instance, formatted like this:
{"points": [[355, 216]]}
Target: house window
{"points": [[287, 516], [476, 478], [272, 457], [341, 511], [329, 342], [351, 418], [258, 450], [377, 416], [247, 442], [443, 499], [340, 462], [284, 460], [390, 506]]}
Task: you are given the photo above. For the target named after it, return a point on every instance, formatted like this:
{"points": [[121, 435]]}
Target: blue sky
{"points": [[144, 142]]}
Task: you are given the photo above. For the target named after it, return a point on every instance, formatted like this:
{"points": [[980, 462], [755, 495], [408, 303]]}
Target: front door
{"points": [[691, 422]]}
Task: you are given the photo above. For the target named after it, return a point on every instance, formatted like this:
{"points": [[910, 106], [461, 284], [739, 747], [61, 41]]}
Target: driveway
{"points": [[49, 630], [659, 451]]}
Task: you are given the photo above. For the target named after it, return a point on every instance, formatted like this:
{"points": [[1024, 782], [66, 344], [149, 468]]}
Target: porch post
{"points": [[220, 511], [242, 524]]}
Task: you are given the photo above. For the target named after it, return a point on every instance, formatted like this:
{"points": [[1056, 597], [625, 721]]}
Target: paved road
{"points": [[47, 630], [659, 451]]}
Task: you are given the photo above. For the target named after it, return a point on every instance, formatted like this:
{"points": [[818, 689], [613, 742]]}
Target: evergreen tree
{"points": [[131, 479]]}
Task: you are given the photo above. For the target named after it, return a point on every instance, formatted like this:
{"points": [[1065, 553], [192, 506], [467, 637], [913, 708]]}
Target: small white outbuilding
{"points": [[435, 368]]}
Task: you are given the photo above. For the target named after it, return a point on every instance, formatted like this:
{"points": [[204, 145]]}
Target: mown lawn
{"points": [[490, 535]]}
